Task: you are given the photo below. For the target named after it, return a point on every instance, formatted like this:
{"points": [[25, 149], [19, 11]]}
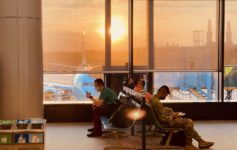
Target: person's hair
{"points": [[143, 83], [128, 80], [165, 88], [137, 79], [99, 81]]}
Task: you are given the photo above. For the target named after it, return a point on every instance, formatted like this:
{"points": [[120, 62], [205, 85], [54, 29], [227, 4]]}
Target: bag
{"points": [[119, 118], [177, 139]]}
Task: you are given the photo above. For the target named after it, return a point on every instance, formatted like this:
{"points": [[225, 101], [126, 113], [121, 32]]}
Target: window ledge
{"points": [[84, 102]]}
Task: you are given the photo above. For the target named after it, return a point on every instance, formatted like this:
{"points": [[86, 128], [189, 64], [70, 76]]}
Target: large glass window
{"points": [[185, 41], [188, 86], [71, 35], [119, 33], [185, 35], [72, 43], [230, 71], [69, 87], [140, 54]]}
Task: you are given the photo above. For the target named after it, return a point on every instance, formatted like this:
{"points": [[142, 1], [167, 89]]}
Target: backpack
{"points": [[177, 139], [119, 118]]}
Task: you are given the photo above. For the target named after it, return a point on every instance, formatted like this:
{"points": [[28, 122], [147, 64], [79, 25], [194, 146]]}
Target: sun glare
{"points": [[117, 29]]}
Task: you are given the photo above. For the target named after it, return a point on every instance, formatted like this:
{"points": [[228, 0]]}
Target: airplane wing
{"points": [[62, 65], [60, 86]]}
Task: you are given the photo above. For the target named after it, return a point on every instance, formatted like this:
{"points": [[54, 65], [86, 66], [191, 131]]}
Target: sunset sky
{"points": [[64, 22]]}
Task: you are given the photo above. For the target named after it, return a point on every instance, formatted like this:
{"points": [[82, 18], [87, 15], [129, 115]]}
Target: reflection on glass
{"points": [[185, 35], [140, 54], [188, 86], [230, 71], [71, 35], [231, 33], [119, 33], [230, 83], [69, 87]]}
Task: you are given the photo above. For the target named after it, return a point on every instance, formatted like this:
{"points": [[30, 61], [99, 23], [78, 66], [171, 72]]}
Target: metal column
{"points": [[130, 36], [107, 35], [150, 42], [221, 47]]}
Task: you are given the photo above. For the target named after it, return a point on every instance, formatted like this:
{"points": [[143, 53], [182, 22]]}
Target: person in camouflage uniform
{"points": [[168, 118]]}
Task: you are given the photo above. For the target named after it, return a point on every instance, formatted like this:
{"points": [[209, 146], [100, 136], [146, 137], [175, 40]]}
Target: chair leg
{"points": [[169, 138], [133, 130]]}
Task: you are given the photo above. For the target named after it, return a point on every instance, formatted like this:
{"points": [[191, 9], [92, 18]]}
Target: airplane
{"points": [[82, 83], [84, 66]]}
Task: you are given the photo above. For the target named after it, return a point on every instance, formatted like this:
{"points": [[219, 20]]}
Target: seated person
{"points": [[139, 84], [104, 106], [130, 83], [139, 87], [168, 118]]}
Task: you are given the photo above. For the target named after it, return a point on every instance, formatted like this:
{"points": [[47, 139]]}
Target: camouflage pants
{"points": [[187, 125]]}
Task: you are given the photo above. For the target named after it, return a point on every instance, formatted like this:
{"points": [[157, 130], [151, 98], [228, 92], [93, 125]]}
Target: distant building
{"points": [[229, 41], [209, 41]]}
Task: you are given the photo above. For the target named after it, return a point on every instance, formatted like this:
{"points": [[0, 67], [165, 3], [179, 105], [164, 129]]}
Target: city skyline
{"points": [[65, 34]]}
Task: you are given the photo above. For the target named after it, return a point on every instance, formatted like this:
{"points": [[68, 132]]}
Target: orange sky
{"points": [[65, 20]]}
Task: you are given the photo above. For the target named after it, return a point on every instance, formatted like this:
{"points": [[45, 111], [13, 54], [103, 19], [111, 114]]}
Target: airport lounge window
{"points": [[188, 86], [119, 34], [69, 87], [184, 45], [73, 45], [140, 50], [230, 58], [72, 38], [185, 35]]}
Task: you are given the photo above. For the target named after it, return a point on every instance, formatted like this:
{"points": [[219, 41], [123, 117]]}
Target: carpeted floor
{"points": [[72, 136]]}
